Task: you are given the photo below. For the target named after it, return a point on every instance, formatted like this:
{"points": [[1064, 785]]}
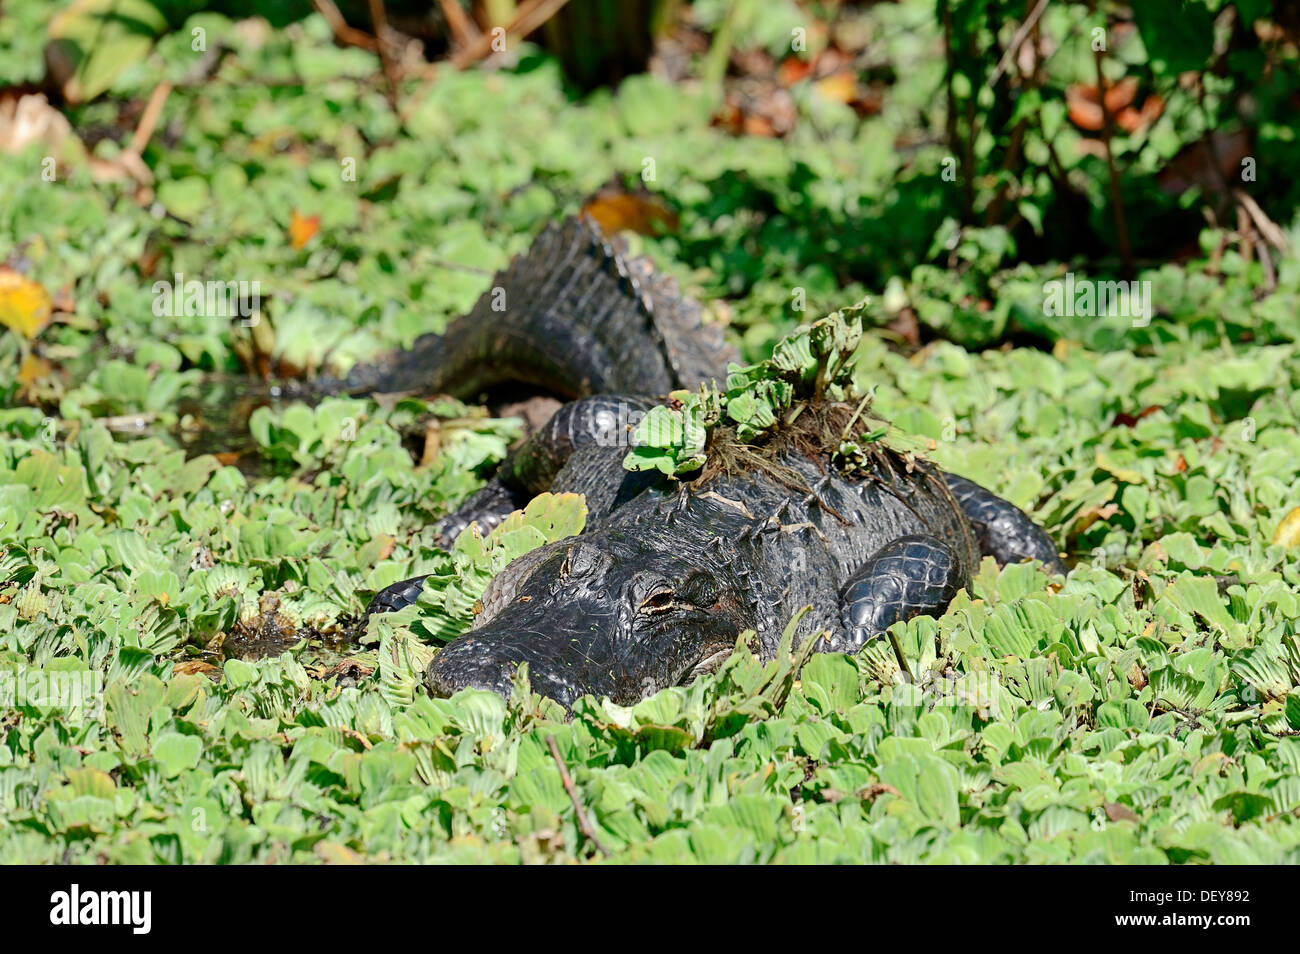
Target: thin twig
{"points": [[128, 422], [1246, 234], [527, 18], [900, 655], [583, 825], [524, 23], [347, 35], [149, 118], [1116, 199], [463, 30], [129, 160], [862, 406], [379, 23], [1266, 227], [456, 267], [1266, 263], [1016, 40]]}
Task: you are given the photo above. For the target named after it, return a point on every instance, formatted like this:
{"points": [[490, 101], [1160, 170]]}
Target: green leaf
{"points": [[177, 753], [449, 598], [1178, 34], [96, 40], [185, 198]]}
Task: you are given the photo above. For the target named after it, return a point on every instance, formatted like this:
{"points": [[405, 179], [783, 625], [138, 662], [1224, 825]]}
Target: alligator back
{"points": [[824, 538], [570, 317]]}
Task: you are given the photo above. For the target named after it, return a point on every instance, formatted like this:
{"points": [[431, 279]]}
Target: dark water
{"points": [[215, 421], [270, 634]]}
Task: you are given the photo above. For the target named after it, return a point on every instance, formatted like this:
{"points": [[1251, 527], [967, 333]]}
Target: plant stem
{"points": [[1116, 200]]}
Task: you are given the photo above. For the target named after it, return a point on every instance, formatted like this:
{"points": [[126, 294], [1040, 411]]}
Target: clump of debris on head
{"points": [[802, 400], [834, 434]]}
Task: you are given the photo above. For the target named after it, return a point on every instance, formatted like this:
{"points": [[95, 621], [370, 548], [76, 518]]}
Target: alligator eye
{"points": [[657, 602]]}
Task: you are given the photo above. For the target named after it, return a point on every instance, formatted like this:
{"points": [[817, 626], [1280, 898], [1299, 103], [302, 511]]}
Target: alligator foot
{"points": [[911, 576], [1003, 530], [487, 507], [397, 596]]}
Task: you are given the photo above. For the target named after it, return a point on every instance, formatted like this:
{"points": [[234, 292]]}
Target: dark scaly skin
{"points": [[914, 574], [1004, 532], [571, 317], [666, 576], [658, 588]]}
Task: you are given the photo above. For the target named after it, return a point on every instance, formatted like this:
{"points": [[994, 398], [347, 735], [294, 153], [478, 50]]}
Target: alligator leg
{"points": [[589, 424], [1003, 530], [601, 421], [487, 507], [396, 595], [914, 575]]}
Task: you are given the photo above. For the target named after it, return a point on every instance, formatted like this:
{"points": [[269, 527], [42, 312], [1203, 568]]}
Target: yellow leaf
{"points": [[645, 215], [1288, 531], [302, 228], [333, 853], [91, 781], [1126, 474], [32, 370], [1207, 762], [24, 305], [841, 87]]}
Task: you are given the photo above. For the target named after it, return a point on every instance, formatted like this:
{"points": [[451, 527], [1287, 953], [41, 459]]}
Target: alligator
{"points": [[668, 573]]}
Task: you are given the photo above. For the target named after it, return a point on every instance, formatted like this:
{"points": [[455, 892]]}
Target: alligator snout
{"points": [[611, 614], [490, 663], [457, 668]]}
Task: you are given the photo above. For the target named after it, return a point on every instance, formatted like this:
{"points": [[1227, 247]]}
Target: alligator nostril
{"points": [[491, 662], [440, 684], [451, 672]]}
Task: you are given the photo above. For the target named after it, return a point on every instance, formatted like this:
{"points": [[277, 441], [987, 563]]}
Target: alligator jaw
{"points": [[495, 672], [444, 681], [710, 663], [471, 662]]}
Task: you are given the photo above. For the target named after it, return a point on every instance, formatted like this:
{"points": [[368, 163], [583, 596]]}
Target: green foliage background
{"points": [[1144, 711]]}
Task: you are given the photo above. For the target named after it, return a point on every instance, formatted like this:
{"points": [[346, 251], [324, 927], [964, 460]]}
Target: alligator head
{"points": [[608, 613]]}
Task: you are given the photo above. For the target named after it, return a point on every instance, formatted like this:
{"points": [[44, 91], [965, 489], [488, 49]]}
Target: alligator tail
{"points": [[571, 317]]}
